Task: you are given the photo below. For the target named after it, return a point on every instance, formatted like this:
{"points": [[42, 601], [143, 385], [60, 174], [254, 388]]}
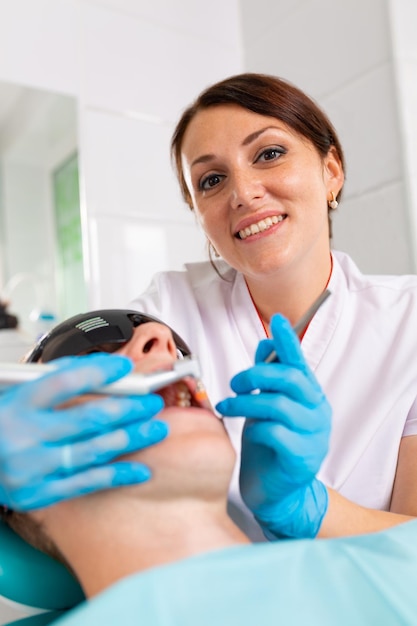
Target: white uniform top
{"points": [[361, 344]]}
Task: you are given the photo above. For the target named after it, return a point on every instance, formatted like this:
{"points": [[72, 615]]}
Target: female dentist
{"points": [[262, 168]]}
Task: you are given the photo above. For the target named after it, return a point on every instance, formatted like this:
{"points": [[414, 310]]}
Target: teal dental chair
{"points": [[33, 579]]}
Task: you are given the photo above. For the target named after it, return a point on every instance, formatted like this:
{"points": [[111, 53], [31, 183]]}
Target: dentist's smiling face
{"points": [[259, 189]]}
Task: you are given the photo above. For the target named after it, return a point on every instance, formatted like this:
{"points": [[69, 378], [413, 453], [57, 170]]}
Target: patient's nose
{"points": [[151, 342]]}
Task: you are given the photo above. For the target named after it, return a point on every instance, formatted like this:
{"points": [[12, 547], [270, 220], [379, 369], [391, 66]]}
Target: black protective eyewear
{"points": [[104, 330]]}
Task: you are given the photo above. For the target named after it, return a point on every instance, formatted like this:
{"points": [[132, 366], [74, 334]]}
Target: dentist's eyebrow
{"points": [[257, 133], [205, 158]]}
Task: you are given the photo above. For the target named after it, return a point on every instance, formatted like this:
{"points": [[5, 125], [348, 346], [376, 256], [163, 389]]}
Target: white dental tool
{"points": [[131, 385]]}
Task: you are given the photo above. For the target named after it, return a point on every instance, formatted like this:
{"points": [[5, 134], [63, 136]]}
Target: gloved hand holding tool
{"points": [[50, 452], [285, 437]]}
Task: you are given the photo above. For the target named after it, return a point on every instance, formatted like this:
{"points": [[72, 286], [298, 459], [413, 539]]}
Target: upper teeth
{"points": [[258, 227]]}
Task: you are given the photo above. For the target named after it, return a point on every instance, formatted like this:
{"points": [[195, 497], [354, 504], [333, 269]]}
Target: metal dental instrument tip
{"points": [[134, 384], [303, 322]]}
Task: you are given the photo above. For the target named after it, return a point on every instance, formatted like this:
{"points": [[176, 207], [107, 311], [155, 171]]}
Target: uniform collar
{"points": [[322, 327]]}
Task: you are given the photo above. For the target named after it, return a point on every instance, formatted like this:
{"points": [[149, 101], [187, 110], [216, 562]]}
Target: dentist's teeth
{"points": [[260, 226]]}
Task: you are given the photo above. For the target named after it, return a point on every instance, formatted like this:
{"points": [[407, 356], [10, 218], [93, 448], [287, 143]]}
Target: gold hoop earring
{"points": [[333, 203], [212, 250]]}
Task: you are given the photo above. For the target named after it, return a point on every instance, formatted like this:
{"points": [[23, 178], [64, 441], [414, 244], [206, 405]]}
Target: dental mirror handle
{"points": [[303, 322]]}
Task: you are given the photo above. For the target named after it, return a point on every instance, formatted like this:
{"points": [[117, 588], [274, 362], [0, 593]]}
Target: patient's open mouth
{"points": [[185, 393]]}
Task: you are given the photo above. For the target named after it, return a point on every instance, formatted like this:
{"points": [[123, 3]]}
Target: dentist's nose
{"points": [[245, 190], [149, 341]]}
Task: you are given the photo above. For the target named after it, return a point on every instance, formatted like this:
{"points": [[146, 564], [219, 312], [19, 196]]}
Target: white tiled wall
{"points": [[403, 19], [130, 161], [146, 244], [38, 44], [143, 65], [320, 45]]}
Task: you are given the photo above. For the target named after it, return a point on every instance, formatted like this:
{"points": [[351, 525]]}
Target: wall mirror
{"points": [[41, 264]]}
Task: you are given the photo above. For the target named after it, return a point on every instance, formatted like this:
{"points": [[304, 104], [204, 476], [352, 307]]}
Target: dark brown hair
{"points": [[265, 95]]}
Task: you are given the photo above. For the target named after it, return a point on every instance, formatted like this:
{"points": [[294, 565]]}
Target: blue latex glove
{"points": [[285, 437], [49, 454]]}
